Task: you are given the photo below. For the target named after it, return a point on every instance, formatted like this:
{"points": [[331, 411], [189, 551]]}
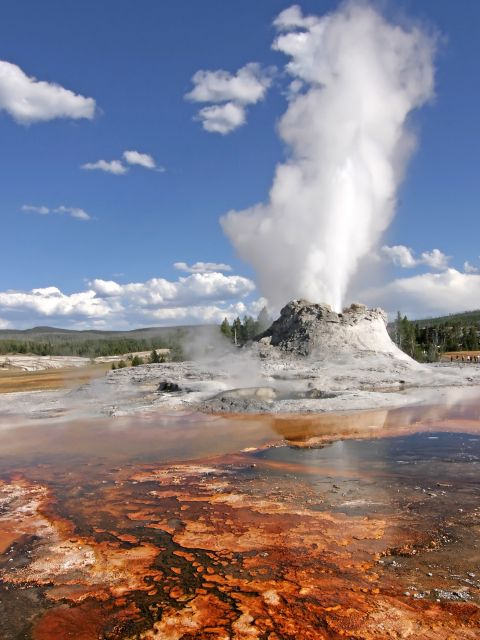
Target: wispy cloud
{"points": [[118, 168], [29, 100], [202, 267], [109, 166], [470, 268], [73, 212]]}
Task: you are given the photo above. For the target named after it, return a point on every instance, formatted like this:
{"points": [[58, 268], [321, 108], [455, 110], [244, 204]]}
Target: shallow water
{"points": [[192, 526]]}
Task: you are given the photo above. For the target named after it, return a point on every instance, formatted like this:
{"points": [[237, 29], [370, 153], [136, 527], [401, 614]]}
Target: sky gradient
{"points": [[95, 245]]}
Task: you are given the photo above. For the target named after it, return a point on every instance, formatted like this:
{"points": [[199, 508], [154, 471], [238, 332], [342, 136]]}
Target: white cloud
{"points": [[223, 118], [109, 166], [4, 324], [142, 159], [29, 100], [248, 86], [73, 212], [435, 259], [292, 18], [118, 168], [229, 95], [33, 209], [470, 268], [199, 297], [202, 267], [403, 256], [427, 294], [50, 301], [399, 255], [106, 288]]}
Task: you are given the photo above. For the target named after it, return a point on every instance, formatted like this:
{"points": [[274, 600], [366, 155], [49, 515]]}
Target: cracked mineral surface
{"points": [[190, 526]]}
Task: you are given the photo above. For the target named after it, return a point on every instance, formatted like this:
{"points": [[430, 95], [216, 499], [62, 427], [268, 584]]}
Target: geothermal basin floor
{"points": [[178, 527]]}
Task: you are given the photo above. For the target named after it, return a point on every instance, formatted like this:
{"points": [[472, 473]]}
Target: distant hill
{"points": [[466, 318], [93, 343], [55, 335]]}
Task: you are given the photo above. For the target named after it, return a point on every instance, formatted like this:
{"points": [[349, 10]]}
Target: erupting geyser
{"points": [[356, 79]]}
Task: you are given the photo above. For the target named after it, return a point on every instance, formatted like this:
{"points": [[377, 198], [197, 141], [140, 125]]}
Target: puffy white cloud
{"points": [[199, 297], [109, 166], [73, 212], [50, 301], [399, 255], [202, 267], [105, 288], [142, 159], [404, 257], [229, 95], [223, 118], [4, 324], [248, 86], [470, 268], [292, 18], [435, 259], [30, 100], [427, 294]]}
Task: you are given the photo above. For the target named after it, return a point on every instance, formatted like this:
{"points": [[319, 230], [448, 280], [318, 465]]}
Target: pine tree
{"points": [[237, 331], [226, 329], [249, 329]]}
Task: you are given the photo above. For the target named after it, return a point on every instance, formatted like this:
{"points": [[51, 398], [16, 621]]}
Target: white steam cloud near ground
{"points": [[356, 78]]}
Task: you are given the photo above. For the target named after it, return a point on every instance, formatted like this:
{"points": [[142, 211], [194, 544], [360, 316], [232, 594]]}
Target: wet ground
{"points": [[179, 527]]}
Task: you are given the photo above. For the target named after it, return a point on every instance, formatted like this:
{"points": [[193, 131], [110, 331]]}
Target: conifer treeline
{"points": [[426, 342], [91, 348], [241, 331]]}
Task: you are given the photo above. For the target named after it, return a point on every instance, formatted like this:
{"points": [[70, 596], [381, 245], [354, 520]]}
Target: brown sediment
{"points": [[242, 546], [12, 381]]}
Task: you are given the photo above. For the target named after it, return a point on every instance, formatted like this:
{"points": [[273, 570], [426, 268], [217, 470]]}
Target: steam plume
{"points": [[356, 78]]}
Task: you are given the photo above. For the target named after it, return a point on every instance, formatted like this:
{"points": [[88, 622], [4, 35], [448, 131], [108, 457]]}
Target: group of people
{"points": [[475, 359]]}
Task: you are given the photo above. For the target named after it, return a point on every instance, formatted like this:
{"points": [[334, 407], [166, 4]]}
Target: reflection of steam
{"points": [[356, 80]]}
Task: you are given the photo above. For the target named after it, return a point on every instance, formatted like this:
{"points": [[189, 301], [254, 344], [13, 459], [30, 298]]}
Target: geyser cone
{"points": [[311, 329]]}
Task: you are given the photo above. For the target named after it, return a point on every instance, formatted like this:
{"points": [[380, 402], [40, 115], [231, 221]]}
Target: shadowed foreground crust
{"points": [[239, 546]]}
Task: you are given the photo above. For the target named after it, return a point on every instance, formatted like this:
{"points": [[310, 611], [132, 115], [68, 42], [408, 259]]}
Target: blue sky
{"points": [[136, 61]]}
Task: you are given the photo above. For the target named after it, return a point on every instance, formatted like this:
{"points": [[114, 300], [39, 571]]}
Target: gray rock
{"points": [[307, 328]]}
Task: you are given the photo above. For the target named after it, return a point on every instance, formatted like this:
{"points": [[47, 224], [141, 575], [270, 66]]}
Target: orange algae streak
{"points": [[245, 545]]}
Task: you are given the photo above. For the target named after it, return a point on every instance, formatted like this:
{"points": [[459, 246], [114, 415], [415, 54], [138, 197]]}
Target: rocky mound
{"points": [[309, 329]]}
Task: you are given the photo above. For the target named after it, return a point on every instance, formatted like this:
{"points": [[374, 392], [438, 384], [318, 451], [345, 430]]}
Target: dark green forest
{"points": [[241, 331], [426, 340], [92, 348]]}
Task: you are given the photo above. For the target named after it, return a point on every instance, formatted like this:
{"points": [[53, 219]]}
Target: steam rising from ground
{"points": [[356, 78]]}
